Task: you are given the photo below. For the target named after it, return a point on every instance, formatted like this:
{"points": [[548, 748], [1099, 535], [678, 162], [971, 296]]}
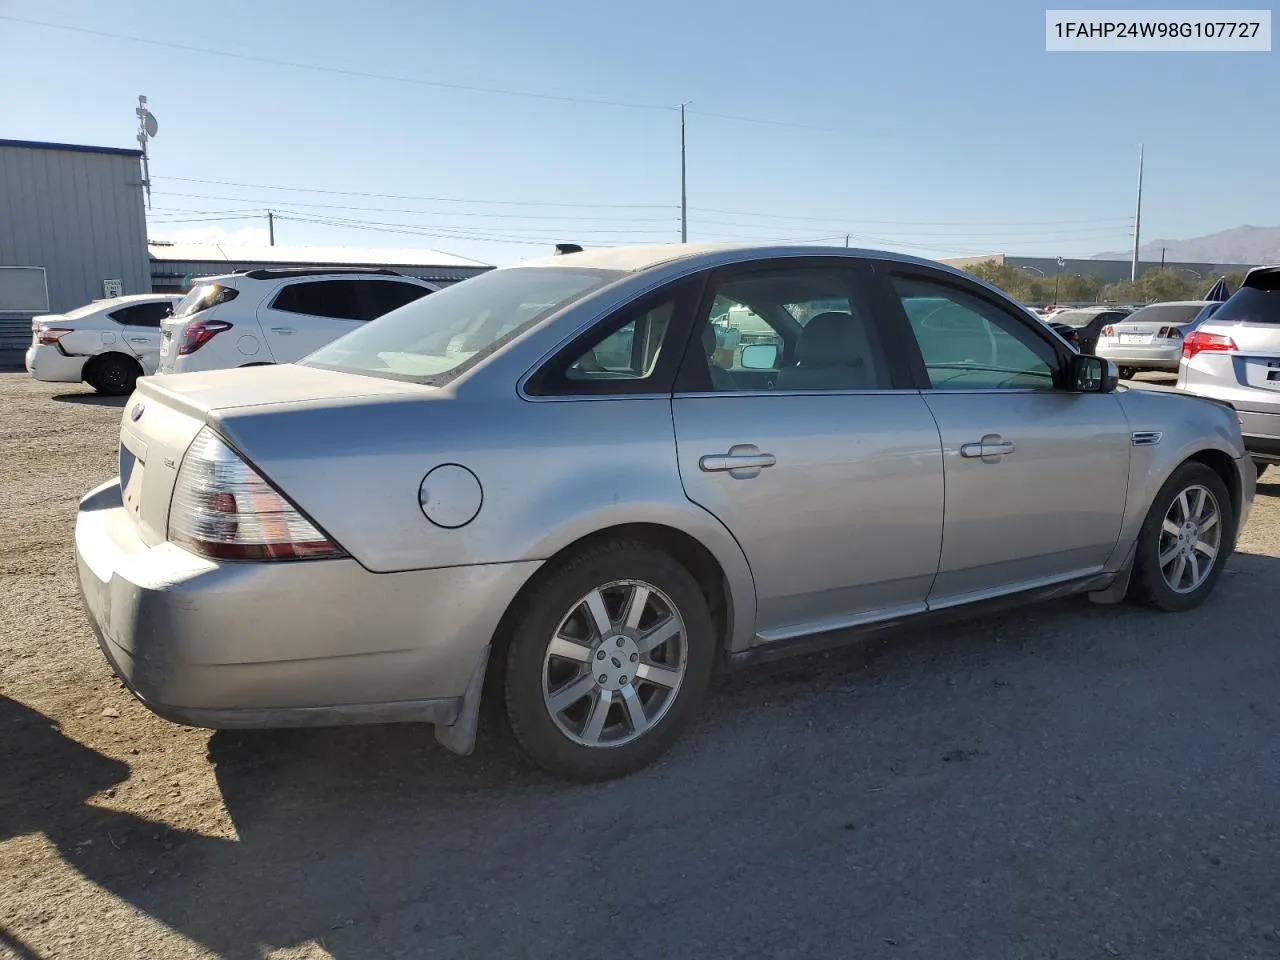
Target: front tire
{"points": [[1260, 466], [113, 374], [1185, 540], [1128, 373], [609, 660]]}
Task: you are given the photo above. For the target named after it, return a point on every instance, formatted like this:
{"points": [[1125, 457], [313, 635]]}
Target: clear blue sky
{"points": [[946, 128]]}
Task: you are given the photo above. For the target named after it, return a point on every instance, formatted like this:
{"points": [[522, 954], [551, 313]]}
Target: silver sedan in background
{"points": [[557, 471], [1151, 338]]}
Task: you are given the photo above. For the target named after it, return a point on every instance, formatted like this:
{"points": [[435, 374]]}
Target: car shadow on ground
{"points": [[91, 399], [374, 841]]}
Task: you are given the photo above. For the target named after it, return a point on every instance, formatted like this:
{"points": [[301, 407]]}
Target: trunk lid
{"points": [[166, 412]]}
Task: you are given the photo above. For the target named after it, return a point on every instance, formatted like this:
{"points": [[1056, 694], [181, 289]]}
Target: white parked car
{"points": [[276, 316], [108, 344]]}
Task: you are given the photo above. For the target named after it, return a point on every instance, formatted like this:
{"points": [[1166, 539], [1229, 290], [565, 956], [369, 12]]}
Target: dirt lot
{"points": [[1067, 781]]}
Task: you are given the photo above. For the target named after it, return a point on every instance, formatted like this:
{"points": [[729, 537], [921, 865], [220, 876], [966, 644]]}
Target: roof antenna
{"points": [[147, 128]]}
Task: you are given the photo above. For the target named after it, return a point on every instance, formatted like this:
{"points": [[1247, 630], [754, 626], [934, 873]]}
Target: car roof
{"points": [[310, 273], [640, 257], [1176, 303], [135, 298]]}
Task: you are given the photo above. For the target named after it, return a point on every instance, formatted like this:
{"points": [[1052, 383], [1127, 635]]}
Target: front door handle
{"points": [[742, 462], [991, 448], [285, 330]]}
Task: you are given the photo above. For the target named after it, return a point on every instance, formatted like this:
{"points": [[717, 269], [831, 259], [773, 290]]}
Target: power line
{"points": [[404, 196], [943, 235], [342, 71], [907, 223], [392, 78], [259, 201]]}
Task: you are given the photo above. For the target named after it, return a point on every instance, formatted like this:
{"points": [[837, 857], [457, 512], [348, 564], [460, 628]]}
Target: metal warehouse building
{"points": [[72, 229], [175, 265]]}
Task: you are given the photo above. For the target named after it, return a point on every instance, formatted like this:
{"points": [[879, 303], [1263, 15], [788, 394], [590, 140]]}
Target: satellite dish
{"points": [[149, 123]]}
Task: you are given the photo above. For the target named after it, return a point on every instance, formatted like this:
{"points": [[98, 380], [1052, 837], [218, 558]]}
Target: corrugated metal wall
{"points": [[77, 212]]}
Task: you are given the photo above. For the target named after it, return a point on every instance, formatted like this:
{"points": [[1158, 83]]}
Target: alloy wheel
{"points": [[615, 664], [1190, 539]]}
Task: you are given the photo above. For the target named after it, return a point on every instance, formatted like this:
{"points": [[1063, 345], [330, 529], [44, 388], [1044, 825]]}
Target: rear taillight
{"points": [[1108, 331], [1199, 342], [222, 508], [50, 335], [198, 333], [1169, 333]]}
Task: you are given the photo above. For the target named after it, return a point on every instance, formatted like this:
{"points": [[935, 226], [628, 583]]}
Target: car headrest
{"points": [[831, 339]]}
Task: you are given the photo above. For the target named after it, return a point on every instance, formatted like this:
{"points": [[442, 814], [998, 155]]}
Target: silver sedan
{"points": [[1151, 337], [582, 474]]}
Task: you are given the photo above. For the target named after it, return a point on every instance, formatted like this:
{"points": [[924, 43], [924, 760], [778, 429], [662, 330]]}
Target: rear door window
{"points": [[321, 298], [142, 314], [376, 297]]}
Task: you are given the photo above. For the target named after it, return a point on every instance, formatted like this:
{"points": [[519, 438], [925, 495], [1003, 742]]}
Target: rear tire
{"points": [[1191, 523], [1261, 466], [591, 694], [112, 374]]}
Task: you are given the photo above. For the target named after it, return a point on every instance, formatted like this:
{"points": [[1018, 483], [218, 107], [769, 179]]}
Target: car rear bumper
{"points": [[1143, 356], [1259, 415], [310, 643], [47, 362]]}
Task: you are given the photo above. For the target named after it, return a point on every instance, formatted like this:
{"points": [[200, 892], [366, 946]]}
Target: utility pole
{"points": [[1056, 277], [1162, 249], [271, 229], [1137, 222], [146, 130], [684, 198], [846, 241]]}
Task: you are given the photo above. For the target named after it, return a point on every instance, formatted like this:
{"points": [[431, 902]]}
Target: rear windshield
{"points": [[434, 339], [1168, 314], [202, 297], [1251, 305]]}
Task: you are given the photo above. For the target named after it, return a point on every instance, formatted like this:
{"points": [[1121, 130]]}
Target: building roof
{"points": [[72, 147], [297, 255]]}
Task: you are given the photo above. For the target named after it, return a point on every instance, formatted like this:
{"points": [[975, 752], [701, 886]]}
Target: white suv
{"points": [[276, 316], [108, 344]]}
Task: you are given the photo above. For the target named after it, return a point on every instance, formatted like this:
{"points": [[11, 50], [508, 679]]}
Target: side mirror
{"points": [[759, 356], [1090, 374]]}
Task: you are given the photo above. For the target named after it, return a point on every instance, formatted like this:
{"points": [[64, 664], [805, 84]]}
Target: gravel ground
{"points": [[1067, 781]]}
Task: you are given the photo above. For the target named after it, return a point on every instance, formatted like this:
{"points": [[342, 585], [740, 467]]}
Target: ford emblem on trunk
{"points": [[136, 413]]}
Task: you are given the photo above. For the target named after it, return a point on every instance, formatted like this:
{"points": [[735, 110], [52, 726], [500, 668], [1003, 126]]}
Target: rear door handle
{"points": [[285, 330], [991, 448], [742, 462]]}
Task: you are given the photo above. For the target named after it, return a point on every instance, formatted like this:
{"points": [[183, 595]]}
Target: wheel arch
{"points": [[1228, 470], [722, 574]]}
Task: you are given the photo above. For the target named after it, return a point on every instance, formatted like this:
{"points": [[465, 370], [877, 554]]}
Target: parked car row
{"points": [[241, 319], [571, 472]]}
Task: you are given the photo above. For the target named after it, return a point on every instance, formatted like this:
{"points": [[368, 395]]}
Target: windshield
{"points": [[435, 338], [1166, 314], [202, 297]]}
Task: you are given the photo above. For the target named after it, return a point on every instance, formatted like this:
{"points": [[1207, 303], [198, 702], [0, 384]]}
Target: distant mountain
{"points": [[1251, 245]]}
